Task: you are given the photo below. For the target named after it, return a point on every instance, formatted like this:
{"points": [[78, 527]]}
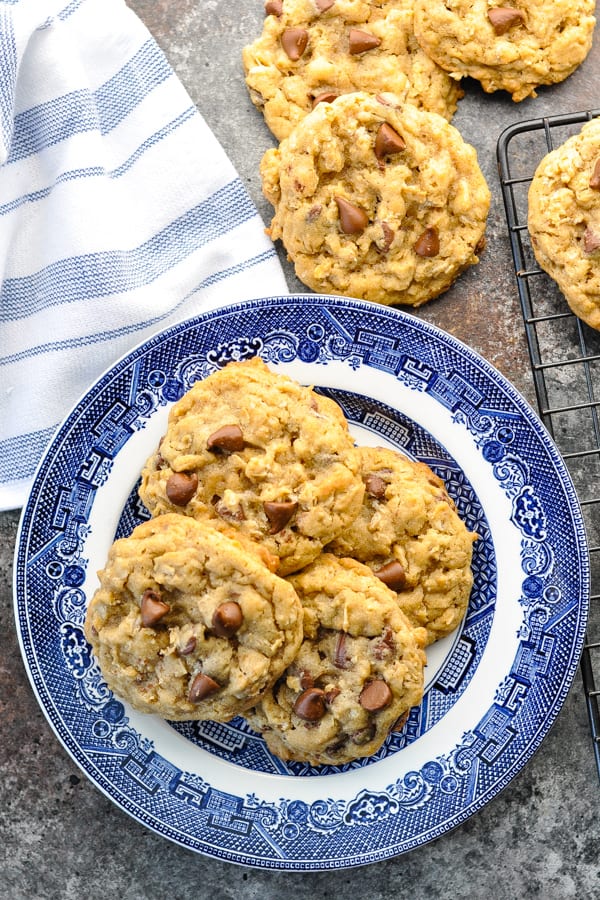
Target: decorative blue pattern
{"points": [[414, 805]]}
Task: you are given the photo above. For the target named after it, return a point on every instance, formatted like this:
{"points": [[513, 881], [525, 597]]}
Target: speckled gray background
{"points": [[61, 839]]}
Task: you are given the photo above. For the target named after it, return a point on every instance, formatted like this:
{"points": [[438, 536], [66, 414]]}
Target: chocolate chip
{"points": [[384, 244], [294, 41], [181, 487], [361, 41], [313, 214], [340, 658], [385, 646], [323, 5], [202, 686], [188, 647], [306, 680], [393, 575], [503, 18], [311, 705], [428, 244], [227, 619], [591, 241], [152, 608], [375, 487], [375, 696], [325, 97], [401, 722], [273, 7], [595, 179], [388, 141], [279, 513], [480, 245], [353, 220], [229, 514], [227, 439]]}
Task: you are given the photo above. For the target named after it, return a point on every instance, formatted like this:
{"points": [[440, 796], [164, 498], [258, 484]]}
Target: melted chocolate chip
{"points": [[235, 514], [340, 658], [428, 244], [375, 695], [401, 722], [188, 647], [393, 575], [503, 18], [388, 141], [361, 41], [279, 513], [323, 5], [227, 439], [181, 487], [152, 608], [595, 179], [591, 241], [375, 487], [227, 619], [310, 705], [325, 97], [306, 680], [273, 7], [353, 219], [294, 41], [202, 686]]}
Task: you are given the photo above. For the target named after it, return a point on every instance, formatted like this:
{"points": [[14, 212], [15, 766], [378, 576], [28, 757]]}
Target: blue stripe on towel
{"points": [[19, 455], [48, 124], [115, 271]]}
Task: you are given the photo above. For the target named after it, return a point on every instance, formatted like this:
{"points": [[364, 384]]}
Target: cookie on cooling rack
{"points": [[187, 624], [512, 46], [564, 220], [376, 199], [409, 533], [358, 671], [254, 451], [313, 50]]}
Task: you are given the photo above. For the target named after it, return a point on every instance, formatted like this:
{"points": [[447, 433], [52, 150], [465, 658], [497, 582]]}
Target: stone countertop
{"points": [[61, 838]]}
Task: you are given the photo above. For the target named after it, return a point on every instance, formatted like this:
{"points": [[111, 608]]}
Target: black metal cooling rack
{"points": [[567, 380]]}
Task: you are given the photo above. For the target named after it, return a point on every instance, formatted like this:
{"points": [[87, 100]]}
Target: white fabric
{"points": [[120, 213]]}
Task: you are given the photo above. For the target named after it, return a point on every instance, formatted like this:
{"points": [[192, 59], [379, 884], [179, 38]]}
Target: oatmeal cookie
{"points": [[564, 220], [313, 50], [358, 671], [188, 625], [376, 200], [514, 46], [258, 453], [409, 533]]}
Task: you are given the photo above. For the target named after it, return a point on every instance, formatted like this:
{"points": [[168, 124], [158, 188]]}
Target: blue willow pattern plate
{"points": [[492, 689]]}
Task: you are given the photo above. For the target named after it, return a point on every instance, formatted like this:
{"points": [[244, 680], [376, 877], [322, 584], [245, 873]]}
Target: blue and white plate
{"points": [[493, 688]]}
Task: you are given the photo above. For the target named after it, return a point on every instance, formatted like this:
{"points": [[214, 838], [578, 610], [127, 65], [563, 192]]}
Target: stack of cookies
{"points": [[376, 195], [286, 575]]}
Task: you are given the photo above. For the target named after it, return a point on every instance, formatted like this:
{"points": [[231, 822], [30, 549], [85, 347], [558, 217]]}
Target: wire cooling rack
{"points": [[565, 360]]}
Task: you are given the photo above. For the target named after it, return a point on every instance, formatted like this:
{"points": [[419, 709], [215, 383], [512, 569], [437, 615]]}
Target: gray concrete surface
{"points": [[61, 839]]}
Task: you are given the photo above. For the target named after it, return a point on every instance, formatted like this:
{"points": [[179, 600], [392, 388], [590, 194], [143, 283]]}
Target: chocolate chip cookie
{"points": [[409, 533], [512, 46], [255, 451], [564, 220], [359, 669], [187, 624], [311, 51], [376, 200]]}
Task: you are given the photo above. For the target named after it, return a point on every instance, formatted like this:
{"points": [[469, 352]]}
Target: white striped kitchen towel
{"points": [[120, 213]]}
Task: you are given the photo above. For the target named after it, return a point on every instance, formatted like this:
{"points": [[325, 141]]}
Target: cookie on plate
{"points": [[313, 50], [409, 533], [254, 451], [564, 220], [359, 669], [187, 624], [512, 46], [376, 199]]}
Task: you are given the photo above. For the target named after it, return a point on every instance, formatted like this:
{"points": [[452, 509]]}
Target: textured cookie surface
{"points": [[336, 48], [358, 670], [376, 201], [257, 452], [514, 46], [186, 624], [564, 220], [409, 532]]}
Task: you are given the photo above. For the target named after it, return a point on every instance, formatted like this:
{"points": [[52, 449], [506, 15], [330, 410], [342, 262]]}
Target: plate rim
{"points": [[577, 523]]}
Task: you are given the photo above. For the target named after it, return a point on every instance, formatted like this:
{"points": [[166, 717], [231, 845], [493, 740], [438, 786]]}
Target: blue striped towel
{"points": [[120, 213]]}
